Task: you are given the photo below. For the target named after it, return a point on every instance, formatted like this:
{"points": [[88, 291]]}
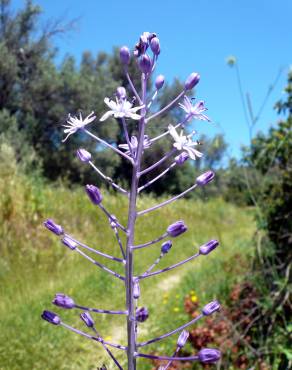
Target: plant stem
{"points": [[105, 255], [167, 201], [108, 179], [96, 310], [167, 358], [132, 215], [100, 265], [144, 276], [157, 177], [170, 332], [167, 107], [164, 158], [151, 242], [108, 145], [170, 361]]}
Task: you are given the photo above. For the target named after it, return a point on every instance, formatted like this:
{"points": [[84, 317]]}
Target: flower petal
{"points": [[106, 115]]}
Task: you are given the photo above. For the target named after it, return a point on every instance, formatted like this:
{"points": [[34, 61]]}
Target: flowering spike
{"points": [[159, 82], [64, 301], [182, 339], [136, 143], [211, 308], [208, 247], [176, 229], [205, 178], [155, 45], [166, 246], [87, 319], [83, 155], [192, 80], [94, 194], [209, 355], [51, 317], [142, 314], [52, 226], [125, 55]]}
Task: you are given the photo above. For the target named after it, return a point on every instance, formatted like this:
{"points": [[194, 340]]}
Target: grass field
{"points": [[34, 266]]}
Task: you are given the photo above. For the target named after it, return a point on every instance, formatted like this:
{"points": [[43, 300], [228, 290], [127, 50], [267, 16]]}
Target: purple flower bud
{"points": [[56, 229], [144, 42], [83, 155], [180, 159], [205, 178], [69, 243], [94, 194], [211, 308], [125, 55], [192, 80], [51, 317], [208, 247], [209, 355], [142, 314], [155, 45], [159, 82], [182, 339], [166, 246], [121, 93], [145, 64], [87, 319], [62, 300], [136, 289], [177, 228]]}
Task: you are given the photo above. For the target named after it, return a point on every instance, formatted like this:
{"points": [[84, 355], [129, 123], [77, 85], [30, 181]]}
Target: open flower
{"points": [[120, 108], [185, 143], [134, 144], [75, 123], [194, 111]]}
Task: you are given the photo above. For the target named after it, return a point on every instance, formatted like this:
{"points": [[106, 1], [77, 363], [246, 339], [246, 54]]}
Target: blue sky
{"points": [[195, 35]]}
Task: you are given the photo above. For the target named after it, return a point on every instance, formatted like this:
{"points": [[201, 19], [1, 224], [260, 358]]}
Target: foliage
{"points": [[270, 157]]}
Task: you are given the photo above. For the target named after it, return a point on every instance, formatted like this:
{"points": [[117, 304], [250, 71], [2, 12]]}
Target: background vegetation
{"points": [[248, 208]]}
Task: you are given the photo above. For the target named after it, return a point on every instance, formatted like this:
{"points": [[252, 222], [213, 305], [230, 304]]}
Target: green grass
{"points": [[34, 266]]}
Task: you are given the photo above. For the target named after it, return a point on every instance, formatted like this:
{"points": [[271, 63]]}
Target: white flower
{"points": [[75, 123], [120, 108], [134, 144], [194, 111], [185, 143]]}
